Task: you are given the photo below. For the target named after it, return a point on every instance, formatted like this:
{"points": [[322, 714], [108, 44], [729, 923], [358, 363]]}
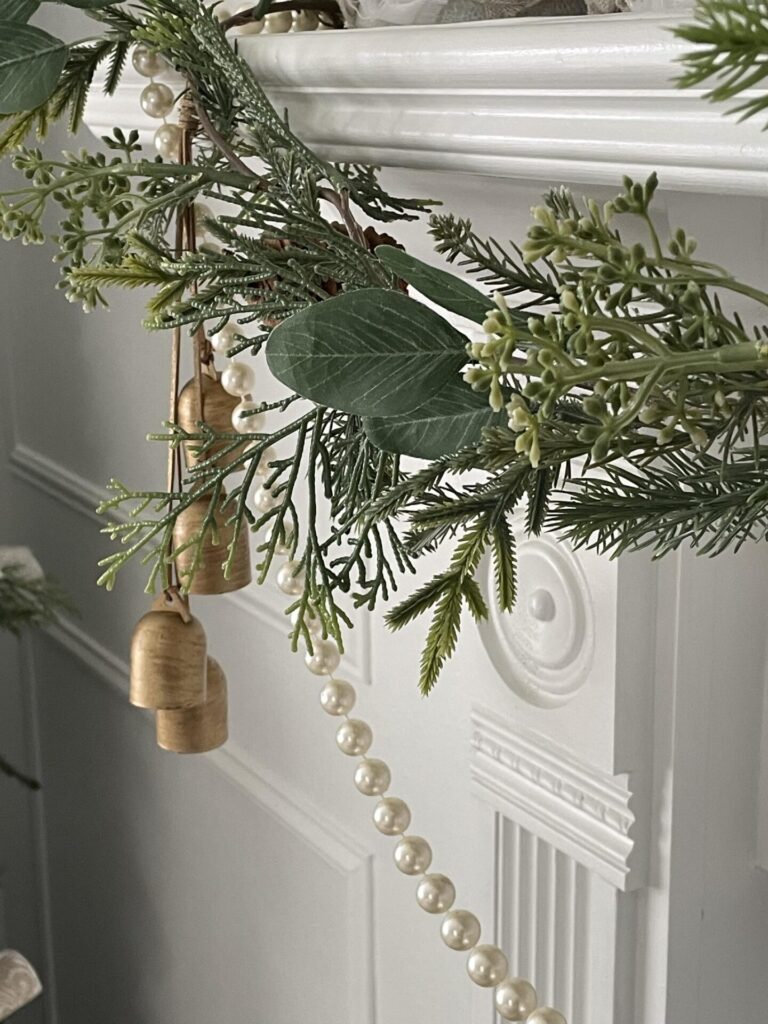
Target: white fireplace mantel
{"points": [[542, 99]]}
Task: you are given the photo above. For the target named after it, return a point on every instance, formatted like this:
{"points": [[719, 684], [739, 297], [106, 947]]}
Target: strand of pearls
{"points": [[274, 23], [515, 998], [157, 100]]}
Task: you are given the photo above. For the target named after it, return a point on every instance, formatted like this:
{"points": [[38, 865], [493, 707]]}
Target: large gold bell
{"points": [[195, 730], [208, 577], [168, 657], [217, 410]]}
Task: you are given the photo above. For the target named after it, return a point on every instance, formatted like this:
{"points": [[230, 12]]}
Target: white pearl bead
{"points": [[225, 339], [148, 63], [515, 998], [283, 547], [238, 379], [167, 141], [312, 620], [247, 424], [221, 13], [413, 855], [546, 1015], [267, 455], [392, 816], [372, 777], [156, 100], [251, 28], [460, 930], [291, 579], [435, 894], [337, 697], [265, 500], [305, 21], [324, 658], [354, 737], [278, 21], [487, 966]]}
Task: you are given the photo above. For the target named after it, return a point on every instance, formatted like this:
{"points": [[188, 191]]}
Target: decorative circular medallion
{"points": [[543, 648]]}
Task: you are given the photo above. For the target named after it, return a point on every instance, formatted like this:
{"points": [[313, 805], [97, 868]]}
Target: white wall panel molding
{"points": [[587, 100], [82, 496], [585, 813], [310, 824]]}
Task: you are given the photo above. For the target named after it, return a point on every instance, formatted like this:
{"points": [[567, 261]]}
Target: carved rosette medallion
{"points": [[543, 648]]}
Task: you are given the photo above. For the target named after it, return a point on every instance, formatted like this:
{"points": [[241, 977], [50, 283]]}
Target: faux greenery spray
{"points": [[614, 394]]}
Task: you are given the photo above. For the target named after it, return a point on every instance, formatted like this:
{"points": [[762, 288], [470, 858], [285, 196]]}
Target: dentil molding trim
{"points": [[542, 99], [584, 812]]}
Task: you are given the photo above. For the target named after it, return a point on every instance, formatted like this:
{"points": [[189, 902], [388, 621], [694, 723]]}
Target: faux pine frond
{"points": [[731, 55]]}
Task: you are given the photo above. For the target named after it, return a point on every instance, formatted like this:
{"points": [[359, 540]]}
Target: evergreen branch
{"points": [[680, 498], [731, 40], [29, 601]]}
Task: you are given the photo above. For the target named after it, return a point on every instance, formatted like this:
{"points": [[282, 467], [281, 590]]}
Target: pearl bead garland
{"points": [[156, 100], [324, 658], [392, 816], [148, 63], [238, 379], [436, 894], [246, 419], [413, 855], [487, 966], [354, 737], [460, 930], [278, 21], [546, 1015], [373, 777], [515, 999], [337, 697]]}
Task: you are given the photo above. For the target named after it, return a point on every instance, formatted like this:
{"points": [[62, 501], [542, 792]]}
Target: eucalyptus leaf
{"points": [[370, 352], [31, 61], [454, 418], [19, 11], [444, 289]]}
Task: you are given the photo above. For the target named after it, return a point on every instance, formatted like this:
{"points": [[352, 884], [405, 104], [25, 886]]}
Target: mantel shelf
{"points": [[544, 99]]}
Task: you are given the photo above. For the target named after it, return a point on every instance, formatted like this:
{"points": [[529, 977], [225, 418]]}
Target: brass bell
{"points": [[209, 576], [217, 410], [168, 656], [195, 730]]}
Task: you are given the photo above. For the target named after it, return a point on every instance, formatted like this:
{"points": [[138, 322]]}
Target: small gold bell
{"points": [[209, 576], [195, 730], [168, 656], [217, 410]]}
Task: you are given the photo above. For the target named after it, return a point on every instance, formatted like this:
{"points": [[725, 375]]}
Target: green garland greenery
{"points": [[620, 369], [28, 601]]}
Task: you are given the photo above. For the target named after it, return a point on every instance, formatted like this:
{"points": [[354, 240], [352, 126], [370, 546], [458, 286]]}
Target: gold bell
{"points": [[195, 730], [217, 410], [168, 656], [209, 576]]}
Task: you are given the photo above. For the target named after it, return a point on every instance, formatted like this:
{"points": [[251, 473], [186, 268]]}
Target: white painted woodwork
{"points": [[588, 770]]}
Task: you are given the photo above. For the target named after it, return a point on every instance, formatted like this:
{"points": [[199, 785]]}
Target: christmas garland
{"points": [[611, 389]]}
